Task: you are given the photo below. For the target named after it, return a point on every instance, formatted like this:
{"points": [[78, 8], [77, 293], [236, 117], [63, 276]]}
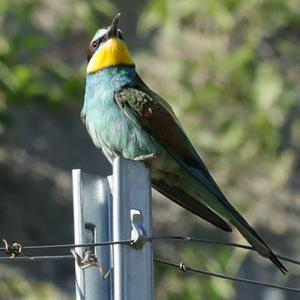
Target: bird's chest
{"points": [[108, 126], [111, 130], [106, 123]]}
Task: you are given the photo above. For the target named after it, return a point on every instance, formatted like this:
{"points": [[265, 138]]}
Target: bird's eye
{"points": [[94, 44]]}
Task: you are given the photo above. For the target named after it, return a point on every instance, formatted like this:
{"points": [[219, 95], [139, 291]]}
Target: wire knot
{"points": [[13, 250], [88, 260], [182, 267]]}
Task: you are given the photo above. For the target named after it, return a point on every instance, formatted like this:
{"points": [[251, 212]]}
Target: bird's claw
{"points": [[146, 157]]}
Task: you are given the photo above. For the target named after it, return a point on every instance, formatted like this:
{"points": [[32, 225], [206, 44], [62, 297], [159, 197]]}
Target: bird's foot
{"points": [[146, 157]]}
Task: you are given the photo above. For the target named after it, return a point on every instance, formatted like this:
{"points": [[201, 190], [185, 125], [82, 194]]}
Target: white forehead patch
{"points": [[99, 33]]}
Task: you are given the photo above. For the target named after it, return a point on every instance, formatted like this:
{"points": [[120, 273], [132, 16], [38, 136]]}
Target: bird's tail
{"points": [[255, 240], [202, 188], [218, 202]]}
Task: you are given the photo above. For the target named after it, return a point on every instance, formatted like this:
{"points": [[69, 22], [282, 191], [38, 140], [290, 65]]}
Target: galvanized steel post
{"points": [[92, 209], [115, 208], [132, 217]]}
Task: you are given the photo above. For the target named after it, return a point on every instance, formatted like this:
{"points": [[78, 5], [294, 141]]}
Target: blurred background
{"points": [[230, 69]]}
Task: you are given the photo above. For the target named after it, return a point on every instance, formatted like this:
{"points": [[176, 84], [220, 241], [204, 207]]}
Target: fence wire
{"points": [[153, 238], [182, 267]]}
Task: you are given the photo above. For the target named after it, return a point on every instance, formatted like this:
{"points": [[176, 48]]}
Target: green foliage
{"points": [[171, 284], [36, 57], [15, 286]]}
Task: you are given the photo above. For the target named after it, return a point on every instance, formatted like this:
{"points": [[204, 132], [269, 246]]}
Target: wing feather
{"points": [[149, 111], [186, 201]]}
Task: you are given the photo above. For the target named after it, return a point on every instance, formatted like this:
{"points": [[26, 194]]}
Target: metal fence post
{"points": [[98, 218], [133, 268], [91, 197]]}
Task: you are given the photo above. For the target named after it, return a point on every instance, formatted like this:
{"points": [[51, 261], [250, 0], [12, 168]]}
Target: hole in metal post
{"points": [[90, 235]]}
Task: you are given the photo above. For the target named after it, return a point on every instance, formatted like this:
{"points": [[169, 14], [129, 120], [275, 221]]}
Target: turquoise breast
{"points": [[109, 128]]}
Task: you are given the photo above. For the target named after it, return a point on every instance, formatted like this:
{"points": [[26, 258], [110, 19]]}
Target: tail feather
{"points": [[216, 200], [189, 203], [257, 242], [216, 207]]}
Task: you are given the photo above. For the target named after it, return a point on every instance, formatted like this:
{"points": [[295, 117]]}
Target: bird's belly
{"points": [[111, 130]]}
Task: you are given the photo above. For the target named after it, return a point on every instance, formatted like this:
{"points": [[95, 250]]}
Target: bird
{"points": [[125, 118]]}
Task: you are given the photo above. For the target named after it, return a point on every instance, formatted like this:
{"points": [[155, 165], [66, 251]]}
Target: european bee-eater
{"points": [[126, 118]]}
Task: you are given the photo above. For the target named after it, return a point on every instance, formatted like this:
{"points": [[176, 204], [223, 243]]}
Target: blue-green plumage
{"points": [[107, 125], [117, 135], [125, 118]]}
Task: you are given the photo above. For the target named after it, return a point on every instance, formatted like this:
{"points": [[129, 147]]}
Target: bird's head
{"points": [[108, 49]]}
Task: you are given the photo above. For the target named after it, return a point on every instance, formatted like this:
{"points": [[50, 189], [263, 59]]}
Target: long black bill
{"points": [[113, 28]]}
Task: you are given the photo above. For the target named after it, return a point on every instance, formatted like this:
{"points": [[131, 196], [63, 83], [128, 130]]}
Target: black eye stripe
{"points": [[93, 47], [103, 38], [96, 43]]}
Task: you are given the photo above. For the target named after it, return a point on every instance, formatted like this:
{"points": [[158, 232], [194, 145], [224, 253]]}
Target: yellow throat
{"points": [[111, 53]]}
